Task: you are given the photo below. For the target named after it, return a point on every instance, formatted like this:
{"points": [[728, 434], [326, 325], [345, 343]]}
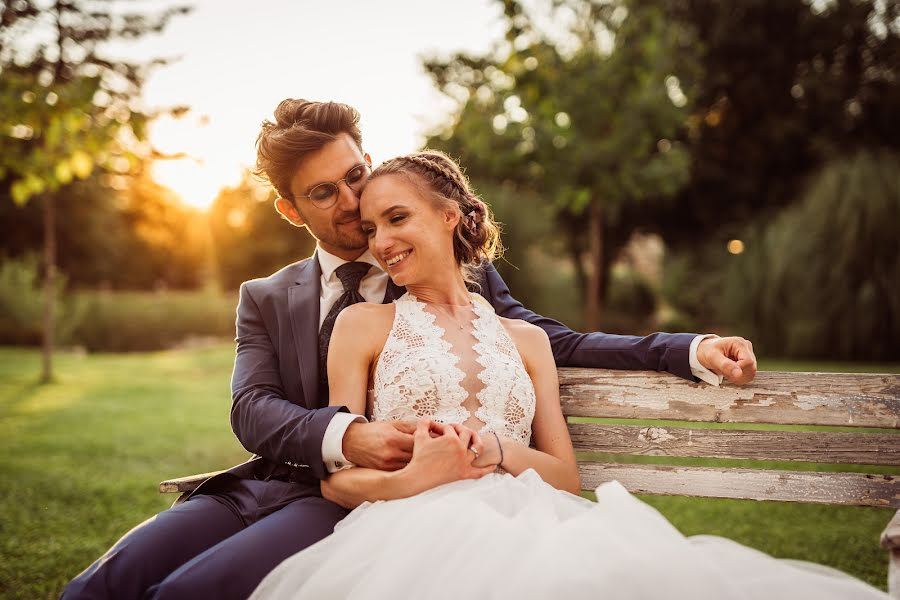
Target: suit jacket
{"points": [[276, 410]]}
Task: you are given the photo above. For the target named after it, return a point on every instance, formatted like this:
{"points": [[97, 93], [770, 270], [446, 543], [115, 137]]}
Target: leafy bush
{"points": [[133, 321], [22, 303]]}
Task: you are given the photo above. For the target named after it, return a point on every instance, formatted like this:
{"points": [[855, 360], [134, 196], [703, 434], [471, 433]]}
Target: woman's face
{"points": [[409, 236]]}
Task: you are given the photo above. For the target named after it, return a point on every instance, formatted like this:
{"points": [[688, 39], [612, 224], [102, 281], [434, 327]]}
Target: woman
{"points": [[477, 513]]}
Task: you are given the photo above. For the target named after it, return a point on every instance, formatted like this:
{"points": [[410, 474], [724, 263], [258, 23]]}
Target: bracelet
{"points": [[500, 446]]}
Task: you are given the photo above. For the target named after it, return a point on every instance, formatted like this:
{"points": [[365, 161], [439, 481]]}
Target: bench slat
{"points": [[857, 399], [185, 484], [811, 446], [750, 484]]}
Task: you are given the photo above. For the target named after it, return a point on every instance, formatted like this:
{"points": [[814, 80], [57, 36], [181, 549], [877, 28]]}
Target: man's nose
{"points": [[347, 198]]}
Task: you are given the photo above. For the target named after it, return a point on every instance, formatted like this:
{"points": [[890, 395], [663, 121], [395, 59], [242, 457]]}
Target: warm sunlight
{"points": [[231, 87]]}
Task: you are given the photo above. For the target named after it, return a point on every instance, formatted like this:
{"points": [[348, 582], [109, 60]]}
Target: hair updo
{"points": [[477, 236]]}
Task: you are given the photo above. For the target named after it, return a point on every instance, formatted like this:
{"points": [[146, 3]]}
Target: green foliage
{"points": [[137, 238], [138, 321], [821, 280], [587, 118], [250, 239], [22, 303]]}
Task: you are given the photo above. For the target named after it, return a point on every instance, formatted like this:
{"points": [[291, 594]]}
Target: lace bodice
{"points": [[479, 380]]}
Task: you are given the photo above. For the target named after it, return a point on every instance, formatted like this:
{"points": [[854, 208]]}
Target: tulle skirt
{"points": [[517, 537]]}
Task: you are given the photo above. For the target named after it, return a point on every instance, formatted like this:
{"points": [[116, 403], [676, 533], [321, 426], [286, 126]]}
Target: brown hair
{"points": [[301, 127], [477, 236]]}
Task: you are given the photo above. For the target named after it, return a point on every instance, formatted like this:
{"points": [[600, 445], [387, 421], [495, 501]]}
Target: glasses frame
{"points": [[332, 199]]}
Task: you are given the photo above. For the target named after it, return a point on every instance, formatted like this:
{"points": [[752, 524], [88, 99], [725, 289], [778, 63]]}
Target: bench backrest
{"points": [[778, 399]]}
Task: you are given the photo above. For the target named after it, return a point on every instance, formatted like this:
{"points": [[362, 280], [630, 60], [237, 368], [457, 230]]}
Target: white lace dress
{"points": [[515, 537]]}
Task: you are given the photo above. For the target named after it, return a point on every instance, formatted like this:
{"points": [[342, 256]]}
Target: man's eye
{"points": [[356, 174], [321, 192]]}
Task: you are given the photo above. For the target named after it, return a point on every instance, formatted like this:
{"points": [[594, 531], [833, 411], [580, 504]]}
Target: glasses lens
{"points": [[322, 192], [356, 175]]}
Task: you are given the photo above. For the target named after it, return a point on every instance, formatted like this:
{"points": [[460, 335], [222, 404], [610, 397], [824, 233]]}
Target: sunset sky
{"points": [[239, 59]]}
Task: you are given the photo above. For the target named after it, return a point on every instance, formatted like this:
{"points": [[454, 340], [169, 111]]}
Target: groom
{"points": [[239, 525]]}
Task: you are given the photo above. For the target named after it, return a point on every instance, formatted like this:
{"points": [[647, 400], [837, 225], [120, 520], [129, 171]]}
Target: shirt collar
{"points": [[329, 262]]}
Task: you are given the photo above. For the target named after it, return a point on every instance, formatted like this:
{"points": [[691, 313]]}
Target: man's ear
{"points": [[287, 210]]}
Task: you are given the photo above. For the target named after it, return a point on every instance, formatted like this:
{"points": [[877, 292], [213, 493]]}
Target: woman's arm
{"points": [[554, 458]]}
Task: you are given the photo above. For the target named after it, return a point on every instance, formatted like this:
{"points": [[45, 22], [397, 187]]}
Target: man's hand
{"points": [[731, 357], [384, 445]]}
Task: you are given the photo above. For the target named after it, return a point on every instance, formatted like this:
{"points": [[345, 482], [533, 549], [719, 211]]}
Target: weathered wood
{"points": [[857, 399], [890, 537], [894, 574], [711, 482], [811, 446], [185, 484]]}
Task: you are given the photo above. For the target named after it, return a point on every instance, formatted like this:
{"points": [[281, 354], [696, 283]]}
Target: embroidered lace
{"points": [[419, 373]]}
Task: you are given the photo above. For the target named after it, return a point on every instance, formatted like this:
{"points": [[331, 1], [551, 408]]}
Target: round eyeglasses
{"points": [[324, 195]]}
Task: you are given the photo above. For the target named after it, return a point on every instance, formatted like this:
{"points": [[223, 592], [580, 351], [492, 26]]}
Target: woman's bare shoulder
{"points": [[525, 336], [365, 317]]}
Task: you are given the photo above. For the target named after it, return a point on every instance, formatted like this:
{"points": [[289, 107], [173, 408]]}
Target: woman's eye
{"points": [[368, 232], [397, 218]]}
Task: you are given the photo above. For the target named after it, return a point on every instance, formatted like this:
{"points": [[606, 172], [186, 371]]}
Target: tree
{"points": [[67, 106], [589, 120], [249, 237]]}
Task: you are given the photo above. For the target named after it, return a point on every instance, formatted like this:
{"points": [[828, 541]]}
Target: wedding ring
{"points": [[474, 451]]}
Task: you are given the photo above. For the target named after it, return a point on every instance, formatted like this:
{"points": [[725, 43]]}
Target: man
{"points": [[239, 525]]}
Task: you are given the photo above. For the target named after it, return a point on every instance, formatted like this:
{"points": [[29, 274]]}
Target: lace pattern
{"points": [[417, 374]]}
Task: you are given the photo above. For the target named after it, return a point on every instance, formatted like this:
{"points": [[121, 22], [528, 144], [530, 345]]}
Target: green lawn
{"points": [[81, 458]]}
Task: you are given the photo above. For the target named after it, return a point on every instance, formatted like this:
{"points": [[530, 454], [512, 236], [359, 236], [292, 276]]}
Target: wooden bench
{"points": [[854, 400]]}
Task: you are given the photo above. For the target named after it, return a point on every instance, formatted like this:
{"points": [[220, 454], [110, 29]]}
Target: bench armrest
{"points": [[185, 484], [890, 537]]}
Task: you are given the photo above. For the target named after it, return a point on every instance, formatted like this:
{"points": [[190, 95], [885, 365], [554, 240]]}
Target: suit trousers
{"points": [[219, 544]]}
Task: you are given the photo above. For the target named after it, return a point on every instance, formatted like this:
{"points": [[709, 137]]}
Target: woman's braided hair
{"points": [[477, 237]]}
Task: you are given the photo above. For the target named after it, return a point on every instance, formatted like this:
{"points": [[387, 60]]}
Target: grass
{"points": [[80, 460]]}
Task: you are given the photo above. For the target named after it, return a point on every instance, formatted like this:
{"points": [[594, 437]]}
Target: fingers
{"points": [[476, 443], [423, 427], [741, 367], [405, 426]]}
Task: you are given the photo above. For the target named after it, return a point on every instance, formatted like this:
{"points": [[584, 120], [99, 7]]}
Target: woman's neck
{"points": [[449, 290]]}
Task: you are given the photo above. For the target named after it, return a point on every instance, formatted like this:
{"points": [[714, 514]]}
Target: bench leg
{"points": [[894, 574]]}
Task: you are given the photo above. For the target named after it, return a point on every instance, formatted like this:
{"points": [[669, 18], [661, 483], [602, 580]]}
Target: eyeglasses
{"points": [[324, 195]]}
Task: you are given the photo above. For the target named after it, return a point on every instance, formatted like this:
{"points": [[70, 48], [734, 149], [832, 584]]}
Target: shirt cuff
{"points": [[698, 370], [333, 441]]}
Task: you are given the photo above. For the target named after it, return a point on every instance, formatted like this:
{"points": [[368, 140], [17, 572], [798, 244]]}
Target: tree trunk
{"points": [[49, 284], [594, 298]]}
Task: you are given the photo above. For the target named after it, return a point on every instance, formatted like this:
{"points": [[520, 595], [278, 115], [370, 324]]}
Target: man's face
{"points": [[336, 227]]}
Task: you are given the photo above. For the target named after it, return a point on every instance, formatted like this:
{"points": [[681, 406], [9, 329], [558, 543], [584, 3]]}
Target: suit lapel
{"points": [[303, 308]]}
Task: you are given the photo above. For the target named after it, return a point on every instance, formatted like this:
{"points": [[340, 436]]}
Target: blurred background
{"points": [[678, 165]]}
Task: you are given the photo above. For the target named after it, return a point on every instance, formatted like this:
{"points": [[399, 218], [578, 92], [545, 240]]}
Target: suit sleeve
{"points": [[655, 352], [264, 421]]}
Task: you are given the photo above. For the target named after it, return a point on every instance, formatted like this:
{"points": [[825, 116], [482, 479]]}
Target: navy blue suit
{"points": [[240, 524]]}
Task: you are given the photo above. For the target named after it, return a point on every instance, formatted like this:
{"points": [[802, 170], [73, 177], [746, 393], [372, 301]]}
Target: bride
{"points": [[488, 505]]}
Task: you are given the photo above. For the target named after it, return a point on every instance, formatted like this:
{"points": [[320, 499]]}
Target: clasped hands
{"points": [[436, 450]]}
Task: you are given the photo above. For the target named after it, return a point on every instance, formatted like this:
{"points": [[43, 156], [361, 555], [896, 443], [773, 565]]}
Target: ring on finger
{"points": [[474, 451]]}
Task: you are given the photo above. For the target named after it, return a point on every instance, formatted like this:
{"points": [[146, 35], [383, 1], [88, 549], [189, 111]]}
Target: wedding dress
{"points": [[515, 537]]}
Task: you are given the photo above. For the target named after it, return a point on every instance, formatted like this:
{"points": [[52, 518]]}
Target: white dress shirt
{"points": [[373, 287]]}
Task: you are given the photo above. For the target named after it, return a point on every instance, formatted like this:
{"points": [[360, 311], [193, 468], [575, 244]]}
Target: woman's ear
{"points": [[287, 210], [452, 217]]}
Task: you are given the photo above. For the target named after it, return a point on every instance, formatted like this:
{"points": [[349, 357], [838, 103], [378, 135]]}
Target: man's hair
{"points": [[301, 127]]}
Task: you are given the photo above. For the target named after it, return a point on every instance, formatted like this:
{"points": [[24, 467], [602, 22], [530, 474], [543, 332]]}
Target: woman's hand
{"points": [[441, 455]]}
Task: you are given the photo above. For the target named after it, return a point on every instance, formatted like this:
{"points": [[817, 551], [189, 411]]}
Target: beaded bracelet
{"points": [[500, 446]]}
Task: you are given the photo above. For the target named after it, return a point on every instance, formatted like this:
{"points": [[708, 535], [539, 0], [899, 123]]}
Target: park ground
{"points": [[81, 459]]}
